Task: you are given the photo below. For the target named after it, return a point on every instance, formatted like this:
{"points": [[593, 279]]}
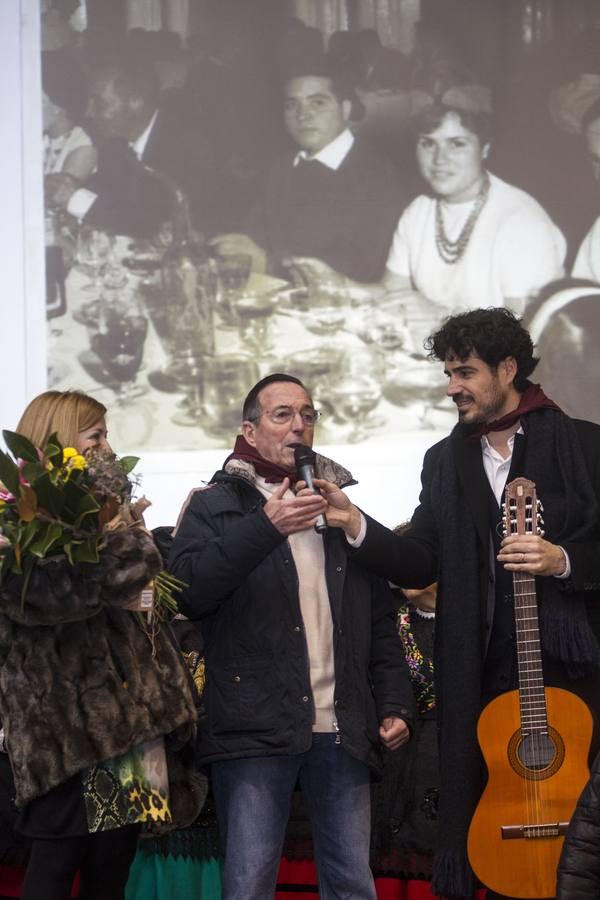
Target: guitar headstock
{"points": [[520, 502]]}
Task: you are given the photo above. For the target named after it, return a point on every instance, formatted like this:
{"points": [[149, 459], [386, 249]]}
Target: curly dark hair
{"points": [[493, 334]]}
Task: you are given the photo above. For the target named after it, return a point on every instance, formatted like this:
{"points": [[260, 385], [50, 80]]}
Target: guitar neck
{"points": [[532, 697]]}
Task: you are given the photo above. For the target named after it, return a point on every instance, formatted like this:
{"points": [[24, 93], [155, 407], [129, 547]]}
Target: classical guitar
{"points": [[535, 741]]}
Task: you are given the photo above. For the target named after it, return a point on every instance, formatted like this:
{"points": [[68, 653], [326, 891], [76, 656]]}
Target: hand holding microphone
{"points": [[305, 467]]}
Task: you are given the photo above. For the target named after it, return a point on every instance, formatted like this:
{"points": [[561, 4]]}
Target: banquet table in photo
{"points": [[175, 361]]}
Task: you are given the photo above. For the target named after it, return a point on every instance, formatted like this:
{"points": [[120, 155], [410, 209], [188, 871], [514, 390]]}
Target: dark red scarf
{"points": [[272, 473], [532, 398]]}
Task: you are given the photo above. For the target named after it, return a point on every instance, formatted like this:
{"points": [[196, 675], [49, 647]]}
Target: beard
{"points": [[486, 409]]}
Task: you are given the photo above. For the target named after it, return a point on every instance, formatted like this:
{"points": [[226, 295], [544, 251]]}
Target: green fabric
{"points": [[200, 841], [167, 878]]}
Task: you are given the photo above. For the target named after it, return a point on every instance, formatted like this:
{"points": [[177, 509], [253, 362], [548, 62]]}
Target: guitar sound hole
{"points": [[536, 752]]}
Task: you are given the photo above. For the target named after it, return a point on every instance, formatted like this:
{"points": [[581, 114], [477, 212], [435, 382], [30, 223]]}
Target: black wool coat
{"points": [[243, 587], [463, 639], [579, 865]]}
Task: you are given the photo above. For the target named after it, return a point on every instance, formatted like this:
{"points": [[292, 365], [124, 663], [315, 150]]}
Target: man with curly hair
{"points": [[506, 428]]}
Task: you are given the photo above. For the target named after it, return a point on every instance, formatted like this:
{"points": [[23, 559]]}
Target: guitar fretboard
{"points": [[532, 697]]}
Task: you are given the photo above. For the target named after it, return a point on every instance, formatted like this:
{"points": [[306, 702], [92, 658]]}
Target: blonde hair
{"points": [[64, 412]]}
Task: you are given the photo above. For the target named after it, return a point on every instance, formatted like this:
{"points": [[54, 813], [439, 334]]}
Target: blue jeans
{"points": [[253, 799]]}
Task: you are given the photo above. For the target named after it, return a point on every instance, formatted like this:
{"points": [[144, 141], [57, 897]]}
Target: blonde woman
{"points": [[81, 685]]}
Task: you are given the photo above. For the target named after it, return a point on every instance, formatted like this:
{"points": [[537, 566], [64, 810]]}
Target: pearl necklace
{"points": [[451, 251]]}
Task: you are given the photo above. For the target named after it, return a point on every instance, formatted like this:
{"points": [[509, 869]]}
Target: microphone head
{"points": [[303, 455]]}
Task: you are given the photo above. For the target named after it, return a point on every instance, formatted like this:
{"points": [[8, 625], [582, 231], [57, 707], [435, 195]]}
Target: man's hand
{"points": [[292, 514], [58, 189], [532, 554], [232, 244], [340, 512], [393, 732], [320, 278]]}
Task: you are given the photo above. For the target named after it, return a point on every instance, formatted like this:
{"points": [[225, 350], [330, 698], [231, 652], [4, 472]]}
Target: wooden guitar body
{"points": [[535, 742], [517, 832]]}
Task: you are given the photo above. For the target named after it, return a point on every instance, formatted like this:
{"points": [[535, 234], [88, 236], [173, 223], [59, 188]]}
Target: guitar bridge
{"points": [[547, 830]]}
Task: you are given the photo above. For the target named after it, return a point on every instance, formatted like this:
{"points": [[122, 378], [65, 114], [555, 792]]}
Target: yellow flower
{"points": [[68, 453], [77, 462]]}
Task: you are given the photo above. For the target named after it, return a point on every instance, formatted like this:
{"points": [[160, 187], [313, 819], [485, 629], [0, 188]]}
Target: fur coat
{"points": [[79, 681]]}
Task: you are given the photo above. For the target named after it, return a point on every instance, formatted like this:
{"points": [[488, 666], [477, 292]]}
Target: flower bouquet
{"points": [[58, 502]]}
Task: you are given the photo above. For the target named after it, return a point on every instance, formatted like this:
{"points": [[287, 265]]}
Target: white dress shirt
{"points": [[333, 154]]}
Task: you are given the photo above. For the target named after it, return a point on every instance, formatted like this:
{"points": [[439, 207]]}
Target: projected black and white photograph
{"points": [[233, 189]]}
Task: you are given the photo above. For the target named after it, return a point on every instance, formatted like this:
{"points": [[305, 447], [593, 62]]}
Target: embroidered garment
{"points": [[420, 665]]}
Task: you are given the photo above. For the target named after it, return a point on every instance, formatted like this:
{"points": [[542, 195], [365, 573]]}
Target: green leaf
{"points": [[128, 463], [68, 548], [9, 473], [88, 505], [47, 536], [20, 447], [29, 532], [32, 471], [27, 570], [53, 449], [50, 497], [73, 495], [86, 551]]}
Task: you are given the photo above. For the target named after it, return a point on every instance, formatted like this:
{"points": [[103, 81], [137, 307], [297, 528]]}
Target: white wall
{"points": [[23, 328]]}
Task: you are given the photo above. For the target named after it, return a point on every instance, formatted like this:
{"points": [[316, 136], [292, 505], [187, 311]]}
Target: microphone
{"points": [[305, 468]]}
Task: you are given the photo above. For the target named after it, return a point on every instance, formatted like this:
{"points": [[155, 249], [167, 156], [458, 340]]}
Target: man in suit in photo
{"points": [[332, 196], [148, 149]]}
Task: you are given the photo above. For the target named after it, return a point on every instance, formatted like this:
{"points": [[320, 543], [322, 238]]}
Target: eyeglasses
{"points": [[281, 415]]}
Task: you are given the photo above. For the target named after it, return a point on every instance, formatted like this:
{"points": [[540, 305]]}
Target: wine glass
{"points": [[356, 391], [119, 345], [318, 366], [233, 274], [384, 328], [187, 370], [227, 379], [91, 254], [328, 308], [253, 310], [115, 275]]}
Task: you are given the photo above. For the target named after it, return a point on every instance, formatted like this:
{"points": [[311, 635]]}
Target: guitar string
{"points": [[531, 700], [529, 705], [523, 688], [529, 697]]}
